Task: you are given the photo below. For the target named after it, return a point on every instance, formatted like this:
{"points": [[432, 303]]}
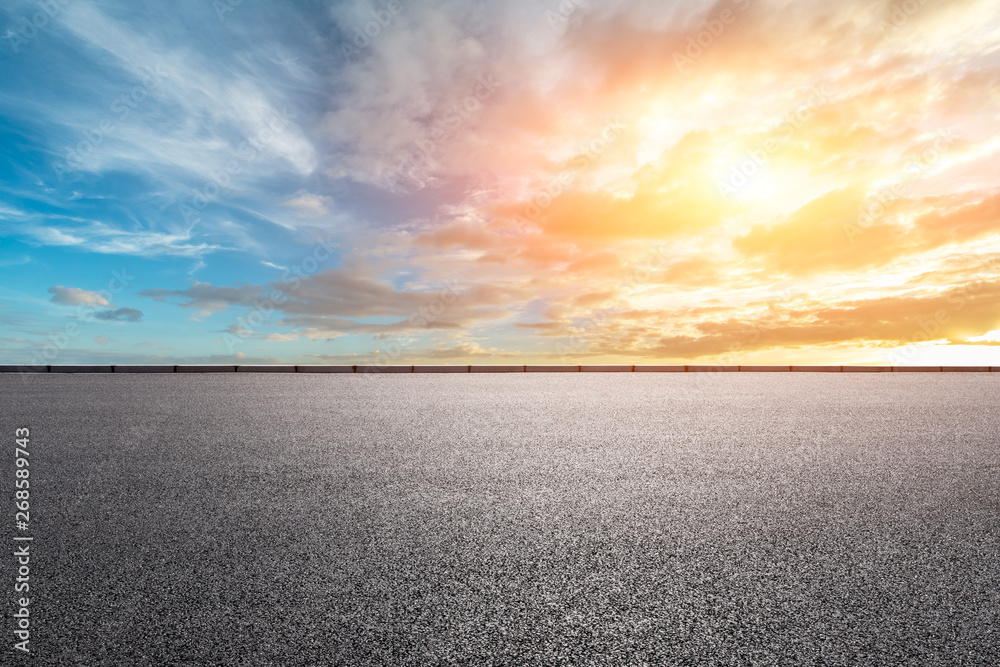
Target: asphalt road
{"points": [[716, 519]]}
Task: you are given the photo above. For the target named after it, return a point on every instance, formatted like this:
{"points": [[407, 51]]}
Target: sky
{"points": [[516, 181]]}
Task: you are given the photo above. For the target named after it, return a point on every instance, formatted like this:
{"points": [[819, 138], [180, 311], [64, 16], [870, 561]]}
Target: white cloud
{"points": [[417, 68], [216, 106], [274, 266], [74, 296], [15, 261], [309, 205], [98, 237]]}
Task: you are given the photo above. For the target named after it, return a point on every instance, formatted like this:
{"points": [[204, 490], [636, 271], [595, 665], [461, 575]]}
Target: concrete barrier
{"points": [[607, 369], [660, 369], [324, 369], [384, 369], [713, 369], [497, 369], [551, 369], [192, 368], [867, 369], [265, 369], [81, 369], [135, 368], [916, 369], [15, 368], [817, 369], [965, 369], [441, 369], [765, 369]]}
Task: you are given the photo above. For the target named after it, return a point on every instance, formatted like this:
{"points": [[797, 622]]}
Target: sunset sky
{"points": [[445, 181]]}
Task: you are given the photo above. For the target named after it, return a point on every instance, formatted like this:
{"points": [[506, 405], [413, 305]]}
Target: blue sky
{"points": [[418, 181], [173, 144]]}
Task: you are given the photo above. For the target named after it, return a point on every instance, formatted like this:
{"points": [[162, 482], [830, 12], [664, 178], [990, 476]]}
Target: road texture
{"points": [[564, 519]]}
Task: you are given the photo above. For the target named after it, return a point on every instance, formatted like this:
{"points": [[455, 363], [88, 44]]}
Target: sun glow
{"points": [[765, 185]]}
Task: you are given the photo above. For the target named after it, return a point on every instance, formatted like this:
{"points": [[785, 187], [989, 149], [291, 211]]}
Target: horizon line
{"points": [[474, 368]]}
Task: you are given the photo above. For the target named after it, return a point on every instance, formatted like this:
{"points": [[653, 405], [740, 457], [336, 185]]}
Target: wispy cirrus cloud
{"points": [[100, 238]]}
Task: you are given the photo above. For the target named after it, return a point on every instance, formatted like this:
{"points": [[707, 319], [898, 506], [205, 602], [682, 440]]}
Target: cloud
{"points": [[239, 105], [459, 352], [98, 237], [120, 315], [953, 315], [672, 195], [818, 237], [955, 219], [463, 351], [206, 297], [560, 327], [309, 205], [74, 296], [275, 266], [570, 172], [14, 261], [405, 96], [332, 302]]}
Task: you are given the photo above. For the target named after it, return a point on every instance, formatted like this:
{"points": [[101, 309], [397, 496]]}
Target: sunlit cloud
{"points": [[74, 296], [739, 181]]}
